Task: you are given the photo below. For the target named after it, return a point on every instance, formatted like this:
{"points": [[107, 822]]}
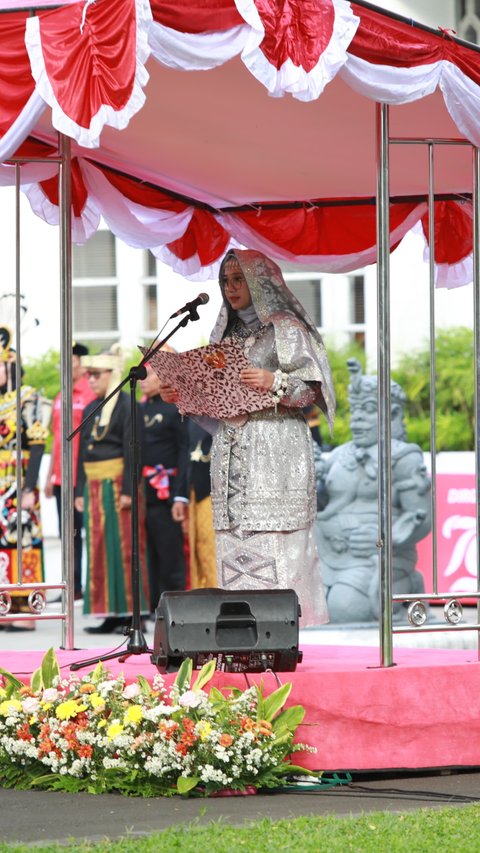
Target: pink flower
{"points": [[131, 690]]}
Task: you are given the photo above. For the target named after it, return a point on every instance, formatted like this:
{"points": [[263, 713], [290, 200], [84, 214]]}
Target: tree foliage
{"points": [[454, 387]]}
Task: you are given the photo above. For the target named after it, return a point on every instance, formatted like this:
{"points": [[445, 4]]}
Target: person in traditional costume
{"points": [[263, 478], [164, 454], [35, 412], [103, 493], [201, 535], [82, 394]]}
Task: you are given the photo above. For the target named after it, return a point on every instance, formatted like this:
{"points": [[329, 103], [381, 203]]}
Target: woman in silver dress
{"points": [[263, 480]]}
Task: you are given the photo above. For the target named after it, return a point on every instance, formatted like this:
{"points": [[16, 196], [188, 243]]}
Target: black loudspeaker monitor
{"points": [[242, 630]]}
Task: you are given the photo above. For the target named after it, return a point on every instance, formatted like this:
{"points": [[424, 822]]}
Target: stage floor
{"points": [[422, 713]]}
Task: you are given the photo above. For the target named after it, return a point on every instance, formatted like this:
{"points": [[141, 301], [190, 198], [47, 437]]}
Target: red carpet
{"points": [[422, 713]]}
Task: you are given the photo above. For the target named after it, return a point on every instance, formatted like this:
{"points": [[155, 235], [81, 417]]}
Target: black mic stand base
{"points": [[137, 645]]}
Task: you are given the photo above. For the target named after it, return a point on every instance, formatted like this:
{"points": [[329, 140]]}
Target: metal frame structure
{"points": [[416, 609], [384, 544]]}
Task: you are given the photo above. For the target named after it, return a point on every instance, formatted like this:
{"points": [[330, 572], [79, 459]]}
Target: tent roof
{"points": [[214, 136]]}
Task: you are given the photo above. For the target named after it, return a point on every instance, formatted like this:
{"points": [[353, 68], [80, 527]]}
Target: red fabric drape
{"points": [[299, 30], [16, 81], [453, 231], [385, 41], [196, 16], [104, 55], [140, 193], [79, 190], [204, 236], [336, 230]]}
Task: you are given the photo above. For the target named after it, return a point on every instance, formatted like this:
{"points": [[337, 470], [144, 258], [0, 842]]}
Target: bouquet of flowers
{"points": [[97, 733]]}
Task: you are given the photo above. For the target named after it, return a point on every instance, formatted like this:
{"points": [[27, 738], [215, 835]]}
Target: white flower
{"points": [[30, 705], [50, 694], [190, 699]]}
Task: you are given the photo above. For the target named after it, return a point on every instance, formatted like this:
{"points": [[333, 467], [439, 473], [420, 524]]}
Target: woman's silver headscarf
{"points": [[300, 348]]}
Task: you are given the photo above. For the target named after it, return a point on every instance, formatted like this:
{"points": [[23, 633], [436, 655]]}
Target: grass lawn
{"points": [[423, 831]]}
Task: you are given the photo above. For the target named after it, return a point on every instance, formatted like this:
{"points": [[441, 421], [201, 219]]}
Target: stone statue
{"points": [[347, 524]]}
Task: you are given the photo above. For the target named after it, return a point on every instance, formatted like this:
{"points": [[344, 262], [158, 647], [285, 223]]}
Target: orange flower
{"points": [[86, 688], [247, 723], [46, 746], [85, 751], [23, 732], [225, 740]]}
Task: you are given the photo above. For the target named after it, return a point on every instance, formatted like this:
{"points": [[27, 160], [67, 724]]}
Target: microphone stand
{"points": [[137, 644]]}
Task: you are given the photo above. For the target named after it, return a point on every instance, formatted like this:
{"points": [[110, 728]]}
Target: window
{"points": [[96, 259], [149, 265], [95, 309], [150, 307], [468, 20], [357, 299], [357, 308], [309, 294]]}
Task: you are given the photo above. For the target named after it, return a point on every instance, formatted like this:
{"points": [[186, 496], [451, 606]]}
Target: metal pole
{"points": [[18, 378], [66, 388], [476, 314], [384, 543], [433, 367]]}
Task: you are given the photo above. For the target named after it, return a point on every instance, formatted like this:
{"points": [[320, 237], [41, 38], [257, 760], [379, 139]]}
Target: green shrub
{"points": [[455, 397]]}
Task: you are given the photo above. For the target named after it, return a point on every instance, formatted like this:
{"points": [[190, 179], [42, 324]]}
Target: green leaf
{"points": [[287, 769], [97, 673], [204, 676], [144, 685], [186, 783], [50, 668], [36, 680], [216, 695], [12, 681], [184, 675], [290, 718], [276, 700]]}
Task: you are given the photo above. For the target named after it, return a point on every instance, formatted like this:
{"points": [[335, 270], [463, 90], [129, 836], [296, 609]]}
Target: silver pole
{"points": [[384, 390], [18, 374], [433, 365], [66, 388], [476, 314]]}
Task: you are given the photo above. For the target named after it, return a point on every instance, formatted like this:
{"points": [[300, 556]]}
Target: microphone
{"points": [[191, 307]]}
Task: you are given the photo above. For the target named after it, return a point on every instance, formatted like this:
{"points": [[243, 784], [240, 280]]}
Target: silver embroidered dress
{"points": [[263, 481]]}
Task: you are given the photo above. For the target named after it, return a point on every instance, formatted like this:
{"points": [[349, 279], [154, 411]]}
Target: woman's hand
{"points": [[125, 502], [169, 393], [28, 500], [79, 504], [257, 377]]}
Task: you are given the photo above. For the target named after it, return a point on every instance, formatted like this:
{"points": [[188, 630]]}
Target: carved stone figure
{"points": [[347, 525]]}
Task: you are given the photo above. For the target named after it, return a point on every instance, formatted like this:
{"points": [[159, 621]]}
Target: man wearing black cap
{"points": [[82, 394]]}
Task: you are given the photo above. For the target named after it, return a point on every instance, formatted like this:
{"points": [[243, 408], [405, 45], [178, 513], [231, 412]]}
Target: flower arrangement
{"points": [[96, 734]]}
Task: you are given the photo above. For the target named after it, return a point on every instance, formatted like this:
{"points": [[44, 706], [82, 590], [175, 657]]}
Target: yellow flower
{"points": [[134, 714], [32, 720], [113, 730], [102, 724], [96, 701], [203, 728], [46, 706], [69, 709], [10, 705]]}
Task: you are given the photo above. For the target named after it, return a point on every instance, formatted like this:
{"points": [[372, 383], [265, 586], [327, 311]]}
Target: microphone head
{"points": [[203, 298]]}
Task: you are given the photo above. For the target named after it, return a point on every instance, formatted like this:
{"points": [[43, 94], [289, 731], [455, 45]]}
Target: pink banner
{"points": [[456, 537]]}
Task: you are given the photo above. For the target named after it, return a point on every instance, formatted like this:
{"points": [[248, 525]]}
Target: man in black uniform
{"points": [[164, 455]]}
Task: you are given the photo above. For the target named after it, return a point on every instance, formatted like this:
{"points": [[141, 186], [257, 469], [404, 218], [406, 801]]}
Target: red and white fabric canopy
{"points": [[186, 164]]}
